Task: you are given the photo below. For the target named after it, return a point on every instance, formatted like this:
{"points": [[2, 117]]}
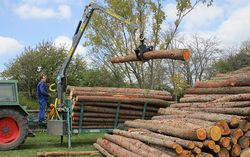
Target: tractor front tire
{"points": [[13, 128]]}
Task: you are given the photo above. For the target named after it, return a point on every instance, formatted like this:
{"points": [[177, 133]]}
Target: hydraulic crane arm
{"points": [[83, 23]]}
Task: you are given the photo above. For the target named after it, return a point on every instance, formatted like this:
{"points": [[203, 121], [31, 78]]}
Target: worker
{"points": [[43, 95]]}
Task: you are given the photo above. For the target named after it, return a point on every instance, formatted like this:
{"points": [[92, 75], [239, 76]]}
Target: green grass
{"points": [[44, 142]]}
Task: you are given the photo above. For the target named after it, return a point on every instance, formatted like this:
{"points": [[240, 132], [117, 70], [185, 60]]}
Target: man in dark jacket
{"points": [[43, 95]]}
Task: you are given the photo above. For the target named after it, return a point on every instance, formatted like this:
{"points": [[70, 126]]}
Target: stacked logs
{"points": [[211, 120], [106, 108], [228, 84], [178, 132]]}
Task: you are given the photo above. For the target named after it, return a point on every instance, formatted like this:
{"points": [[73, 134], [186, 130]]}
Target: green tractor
{"points": [[13, 116]]}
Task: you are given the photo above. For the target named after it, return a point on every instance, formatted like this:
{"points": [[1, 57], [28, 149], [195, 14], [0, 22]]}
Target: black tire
{"points": [[22, 123]]}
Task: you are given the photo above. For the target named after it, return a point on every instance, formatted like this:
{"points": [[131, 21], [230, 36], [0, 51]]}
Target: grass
{"points": [[44, 142]]}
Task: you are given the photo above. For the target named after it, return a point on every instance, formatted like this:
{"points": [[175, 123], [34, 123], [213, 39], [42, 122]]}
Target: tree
{"points": [[237, 58], [108, 37], [44, 58]]}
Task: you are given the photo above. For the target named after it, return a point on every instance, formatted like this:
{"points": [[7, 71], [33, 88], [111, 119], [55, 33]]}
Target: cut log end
{"points": [[243, 142], [178, 149], [210, 144], [215, 133], [223, 153], [191, 145], [224, 142], [216, 148], [201, 133], [245, 153], [186, 54], [234, 121], [236, 150]]}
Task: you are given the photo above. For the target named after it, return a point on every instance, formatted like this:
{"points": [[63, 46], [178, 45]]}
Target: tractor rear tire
{"points": [[13, 128]]}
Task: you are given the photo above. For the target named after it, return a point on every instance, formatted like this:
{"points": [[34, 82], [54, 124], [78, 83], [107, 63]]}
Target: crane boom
{"points": [[61, 84]]}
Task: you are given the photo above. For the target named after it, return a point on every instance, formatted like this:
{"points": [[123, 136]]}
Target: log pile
{"points": [[177, 132], [211, 120], [222, 85], [106, 108]]}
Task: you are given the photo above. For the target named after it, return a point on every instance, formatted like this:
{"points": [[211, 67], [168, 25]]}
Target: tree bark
{"points": [[115, 149], [118, 90], [212, 104], [116, 94], [222, 90], [122, 100], [68, 153], [238, 97], [195, 133], [233, 111], [201, 98], [181, 54], [231, 119], [135, 146], [103, 151], [236, 81]]}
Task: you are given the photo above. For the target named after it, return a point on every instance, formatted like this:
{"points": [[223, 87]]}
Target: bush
{"points": [[32, 104]]}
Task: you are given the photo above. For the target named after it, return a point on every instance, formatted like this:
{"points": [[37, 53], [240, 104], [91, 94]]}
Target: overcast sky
{"points": [[27, 22]]}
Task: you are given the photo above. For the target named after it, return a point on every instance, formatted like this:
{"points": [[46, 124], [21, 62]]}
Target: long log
{"points": [[231, 119], [94, 127], [110, 110], [157, 139], [103, 115], [115, 94], [146, 139], [115, 149], [179, 54], [127, 106], [122, 100], [118, 90], [135, 146], [68, 153], [236, 81], [233, 111], [201, 98], [101, 150], [212, 104], [238, 97], [188, 133], [222, 90]]}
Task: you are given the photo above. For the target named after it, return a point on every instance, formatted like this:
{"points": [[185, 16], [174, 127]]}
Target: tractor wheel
{"points": [[13, 128]]}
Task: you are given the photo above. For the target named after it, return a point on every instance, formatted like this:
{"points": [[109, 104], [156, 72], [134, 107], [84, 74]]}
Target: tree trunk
{"points": [[212, 104], [181, 54], [115, 149], [222, 90], [200, 98], [116, 94], [117, 90], [121, 99], [103, 151], [238, 97], [113, 111], [195, 133], [135, 146], [201, 115], [236, 81], [233, 111], [68, 153]]}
